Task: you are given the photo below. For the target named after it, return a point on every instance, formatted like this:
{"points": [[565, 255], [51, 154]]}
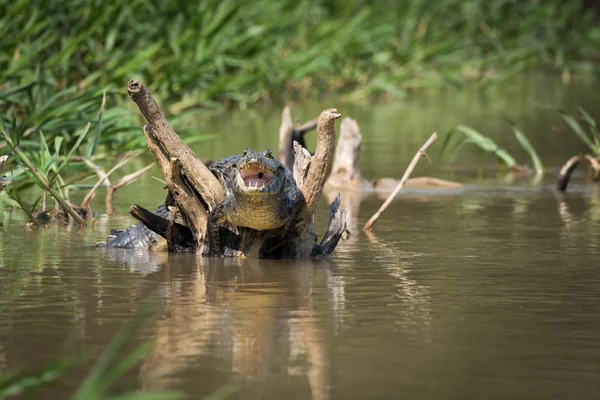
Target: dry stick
{"points": [[203, 181], [126, 180], [288, 133], [87, 201], [565, 172], [405, 177], [286, 130], [97, 169]]}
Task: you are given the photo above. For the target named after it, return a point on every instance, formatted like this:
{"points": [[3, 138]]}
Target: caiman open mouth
{"points": [[254, 176]]}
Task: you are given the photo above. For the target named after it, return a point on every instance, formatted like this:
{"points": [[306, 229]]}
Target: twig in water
{"points": [[87, 201], [126, 180], [405, 177]]}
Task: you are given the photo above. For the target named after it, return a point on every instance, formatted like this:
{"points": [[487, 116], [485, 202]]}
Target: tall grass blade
{"points": [[535, 159], [107, 368], [577, 128]]}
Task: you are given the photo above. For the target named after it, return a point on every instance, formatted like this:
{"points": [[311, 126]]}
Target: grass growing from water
{"points": [[584, 127], [487, 145]]}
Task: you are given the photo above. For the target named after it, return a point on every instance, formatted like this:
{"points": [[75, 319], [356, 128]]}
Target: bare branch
{"points": [[409, 170], [203, 181], [565, 172], [126, 180], [285, 155], [87, 201]]}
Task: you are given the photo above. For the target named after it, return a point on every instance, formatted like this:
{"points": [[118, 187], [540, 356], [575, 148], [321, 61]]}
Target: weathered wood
{"points": [[345, 172], [302, 161], [569, 167], [335, 230], [126, 180], [186, 199], [409, 170], [194, 191], [290, 133], [202, 180], [320, 164], [285, 154]]}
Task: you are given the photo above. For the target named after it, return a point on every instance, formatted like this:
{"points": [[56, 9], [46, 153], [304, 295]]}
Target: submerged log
{"points": [[195, 191]]}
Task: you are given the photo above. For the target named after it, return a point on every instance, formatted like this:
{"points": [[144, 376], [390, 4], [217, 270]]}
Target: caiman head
{"points": [[258, 174]]}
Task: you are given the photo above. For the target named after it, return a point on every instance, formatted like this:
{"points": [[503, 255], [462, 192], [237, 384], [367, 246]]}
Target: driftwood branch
{"points": [[126, 180], [411, 167], [320, 164], [567, 169], [285, 155], [87, 200], [191, 206], [194, 191], [302, 161], [201, 179], [565, 172], [290, 133], [345, 172], [335, 229]]}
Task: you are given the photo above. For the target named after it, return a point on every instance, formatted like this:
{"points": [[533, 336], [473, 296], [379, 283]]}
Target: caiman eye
{"points": [[245, 153], [269, 154]]}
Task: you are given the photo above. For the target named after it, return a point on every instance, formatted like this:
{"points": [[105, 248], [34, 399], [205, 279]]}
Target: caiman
{"points": [[260, 194]]}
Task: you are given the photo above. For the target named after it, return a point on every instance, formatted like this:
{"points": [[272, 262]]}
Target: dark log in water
{"points": [[569, 167]]}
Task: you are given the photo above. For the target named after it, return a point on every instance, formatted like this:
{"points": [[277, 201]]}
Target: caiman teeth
{"points": [[255, 177]]}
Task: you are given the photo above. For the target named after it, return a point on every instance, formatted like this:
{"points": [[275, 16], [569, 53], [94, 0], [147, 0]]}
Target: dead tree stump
{"points": [[194, 191]]}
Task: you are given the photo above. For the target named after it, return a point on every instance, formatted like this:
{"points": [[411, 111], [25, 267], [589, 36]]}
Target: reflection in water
{"points": [[224, 311]]}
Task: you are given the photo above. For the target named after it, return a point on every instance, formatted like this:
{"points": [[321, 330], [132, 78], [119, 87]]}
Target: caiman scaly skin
{"points": [[260, 194]]}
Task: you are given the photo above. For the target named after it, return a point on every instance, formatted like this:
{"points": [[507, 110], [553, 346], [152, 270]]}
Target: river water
{"points": [[488, 292]]}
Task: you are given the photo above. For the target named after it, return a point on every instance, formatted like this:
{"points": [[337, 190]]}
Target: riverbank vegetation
{"points": [[63, 66], [583, 126]]}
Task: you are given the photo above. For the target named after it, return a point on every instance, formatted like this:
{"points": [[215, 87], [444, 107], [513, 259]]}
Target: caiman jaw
{"points": [[254, 178]]}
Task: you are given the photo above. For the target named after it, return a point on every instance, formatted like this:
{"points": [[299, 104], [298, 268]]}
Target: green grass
{"points": [[217, 52], [583, 126], [586, 129], [470, 136]]}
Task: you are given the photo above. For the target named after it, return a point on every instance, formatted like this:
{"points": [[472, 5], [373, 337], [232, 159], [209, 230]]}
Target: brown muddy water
{"points": [[488, 292]]}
